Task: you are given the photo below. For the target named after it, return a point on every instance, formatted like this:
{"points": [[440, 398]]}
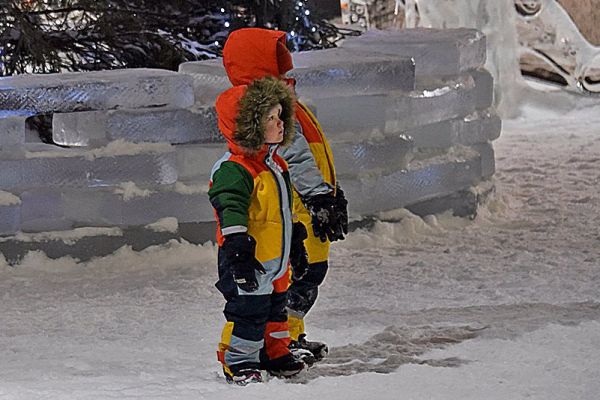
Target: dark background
{"points": [[326, 8]]}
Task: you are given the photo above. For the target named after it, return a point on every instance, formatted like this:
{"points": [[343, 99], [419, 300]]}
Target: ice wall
{"points": [[409, 117], [497, 20]]}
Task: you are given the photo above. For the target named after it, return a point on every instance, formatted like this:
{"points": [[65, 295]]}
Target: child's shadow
{"points": [[386, 351]]}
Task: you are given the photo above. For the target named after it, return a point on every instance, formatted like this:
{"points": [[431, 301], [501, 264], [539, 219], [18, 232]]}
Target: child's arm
{"points": [[230, 193]]}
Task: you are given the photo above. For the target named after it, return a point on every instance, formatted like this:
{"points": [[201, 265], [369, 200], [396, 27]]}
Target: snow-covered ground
{"points": [[503, 307]]}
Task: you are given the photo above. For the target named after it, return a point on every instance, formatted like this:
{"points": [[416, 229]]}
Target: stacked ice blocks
{"points": [[116, 157], [449, 119], [408, 115]]}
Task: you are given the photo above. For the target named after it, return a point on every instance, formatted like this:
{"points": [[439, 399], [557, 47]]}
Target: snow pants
{"points": [[302, 294], [256, 324]]}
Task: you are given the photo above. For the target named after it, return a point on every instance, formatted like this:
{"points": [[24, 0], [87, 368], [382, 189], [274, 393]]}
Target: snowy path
{"points": [[503, 307]]}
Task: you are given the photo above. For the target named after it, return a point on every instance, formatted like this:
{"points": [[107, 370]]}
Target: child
{"points": [[251, 193], [253, 53]]}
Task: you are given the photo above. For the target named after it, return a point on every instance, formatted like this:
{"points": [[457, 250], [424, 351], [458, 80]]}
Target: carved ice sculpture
{"points": [[546, 33]]}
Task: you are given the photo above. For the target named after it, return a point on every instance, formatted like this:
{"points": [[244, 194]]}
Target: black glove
{"points": [[298, 256], [341, 206], [325, 218], [239, 252]]}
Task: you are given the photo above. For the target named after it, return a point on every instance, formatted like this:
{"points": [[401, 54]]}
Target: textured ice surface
{"points": [[43, 209], [497, 20], [488, 160], [393, 112], [12, 129], [104, 207], [194, 161], [63, 168], [209, 79], [9, 218], [66, 208], [81, 91], [343, 71], [435, 51], [478, 127], [380, 192], [391, 152], [96, 128], [318, 73]]}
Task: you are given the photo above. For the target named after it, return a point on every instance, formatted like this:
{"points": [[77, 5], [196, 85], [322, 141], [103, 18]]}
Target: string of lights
{"points": [[44, 36]]}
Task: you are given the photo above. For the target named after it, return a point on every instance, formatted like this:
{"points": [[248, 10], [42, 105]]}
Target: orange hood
{"points": [[227, 106], [254, 53]]}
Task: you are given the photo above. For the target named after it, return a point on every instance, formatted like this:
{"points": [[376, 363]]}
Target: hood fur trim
{"points": [[262, 95]]}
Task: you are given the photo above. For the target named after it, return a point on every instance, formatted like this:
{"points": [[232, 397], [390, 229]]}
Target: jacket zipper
{"points": [[280, 180]]}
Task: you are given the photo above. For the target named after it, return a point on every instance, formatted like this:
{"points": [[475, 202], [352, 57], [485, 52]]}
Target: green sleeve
{"points": [[232, 187]]}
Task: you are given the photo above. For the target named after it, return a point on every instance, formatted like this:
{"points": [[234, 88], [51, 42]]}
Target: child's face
{"points": [[274, 126]]}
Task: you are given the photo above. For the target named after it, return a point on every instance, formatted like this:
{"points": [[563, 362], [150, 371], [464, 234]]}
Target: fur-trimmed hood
{"points": [[242, 112]]}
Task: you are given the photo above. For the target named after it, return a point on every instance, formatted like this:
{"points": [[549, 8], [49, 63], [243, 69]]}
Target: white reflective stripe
{"points": [[296, 314], [285, 204], [233, 229], [280, 334], [217, 165]]}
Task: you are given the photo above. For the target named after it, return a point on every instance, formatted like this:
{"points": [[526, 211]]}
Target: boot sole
{"points": [[286, 374]]}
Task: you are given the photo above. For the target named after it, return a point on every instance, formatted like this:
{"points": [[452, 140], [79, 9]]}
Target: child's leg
{"points": [[302, 294], [243, 334], [277, 335], [277, 358]]}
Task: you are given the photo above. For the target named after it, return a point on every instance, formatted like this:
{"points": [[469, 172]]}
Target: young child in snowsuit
{"points": [[251, 193], [253, 53]]}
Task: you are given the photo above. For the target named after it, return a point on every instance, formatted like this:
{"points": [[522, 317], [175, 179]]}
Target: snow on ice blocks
{"points": [[437, 52], [125, 205], [394, 112], [325, 71], [81, 91], [170, 125], [89, 242], [53, 166]]}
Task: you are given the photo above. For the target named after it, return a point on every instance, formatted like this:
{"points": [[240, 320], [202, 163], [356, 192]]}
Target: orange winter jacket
{"points": [[250, 188], [253, 53]]}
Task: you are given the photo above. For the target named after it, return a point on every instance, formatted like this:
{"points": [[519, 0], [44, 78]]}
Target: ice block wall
{"points": [[408, 116]]}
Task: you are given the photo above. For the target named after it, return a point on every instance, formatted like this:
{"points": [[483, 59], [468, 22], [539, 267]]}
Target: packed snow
{"points": [[506, 306]]}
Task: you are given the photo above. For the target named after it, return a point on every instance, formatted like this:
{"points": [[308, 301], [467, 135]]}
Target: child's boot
{"points": [[304, 349], [285, 366], [242, 375]]}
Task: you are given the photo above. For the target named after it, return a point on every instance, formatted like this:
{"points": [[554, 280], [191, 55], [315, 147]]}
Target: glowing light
{"points": [[216, 43], [222, 10], [227, 24], [292, 33], [314, 29], [307, 12]]}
